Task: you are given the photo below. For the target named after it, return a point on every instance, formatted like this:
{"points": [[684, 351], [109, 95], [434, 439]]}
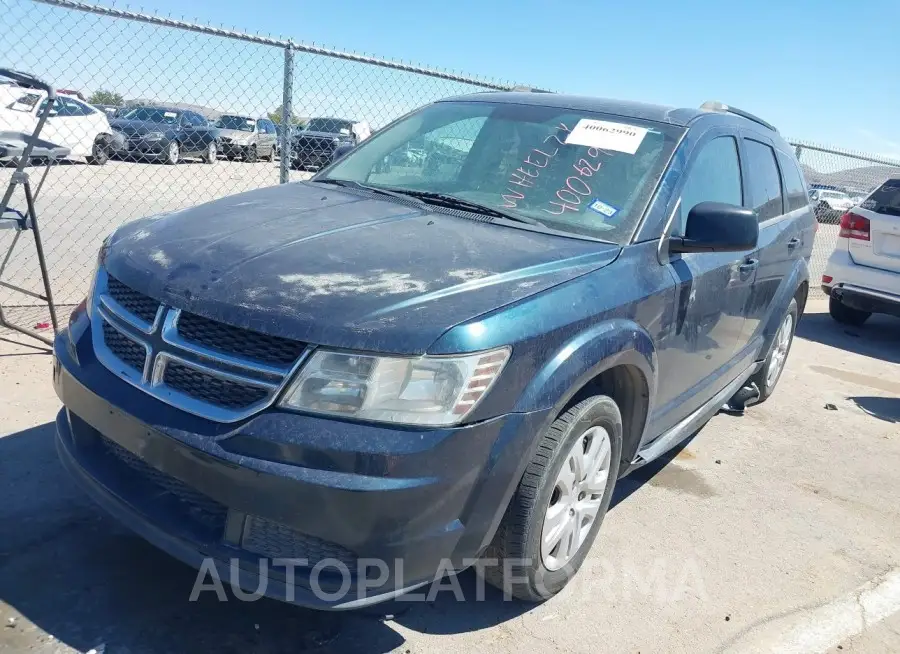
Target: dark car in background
{"points": [[166, 134], [247, 138], [316, 144], [440, 362]]}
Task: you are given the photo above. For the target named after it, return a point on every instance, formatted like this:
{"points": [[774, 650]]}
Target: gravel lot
{"points": [[81, 204], [775, 532]]}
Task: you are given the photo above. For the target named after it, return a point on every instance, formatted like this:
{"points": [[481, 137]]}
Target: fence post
{"points": [[287, 115]]}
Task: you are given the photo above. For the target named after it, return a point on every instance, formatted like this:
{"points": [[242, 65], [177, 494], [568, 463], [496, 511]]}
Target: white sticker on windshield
{"points": [[170, 114], [251, 122], [605, 135], [602, 208], [345, 131]]}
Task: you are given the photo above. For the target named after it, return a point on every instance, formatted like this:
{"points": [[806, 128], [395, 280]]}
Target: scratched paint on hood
{"points": [[330, 267]]}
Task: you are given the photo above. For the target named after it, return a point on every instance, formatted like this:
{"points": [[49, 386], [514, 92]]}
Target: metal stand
{"points": [[13, 219]]}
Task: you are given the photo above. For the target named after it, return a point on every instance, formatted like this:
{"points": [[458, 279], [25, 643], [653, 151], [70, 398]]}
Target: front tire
{"points": [[557, 509], [99, 152], [211, 153], [173, 153], [767, 377], [252, 155], [847, 315]]}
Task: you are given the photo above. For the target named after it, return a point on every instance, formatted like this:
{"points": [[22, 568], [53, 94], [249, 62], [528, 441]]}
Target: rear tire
{"points": [[767, 377], [847, 315], [549, 525]]}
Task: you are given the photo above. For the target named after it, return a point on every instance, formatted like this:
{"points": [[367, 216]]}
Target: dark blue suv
{"points": [[445, 347]]}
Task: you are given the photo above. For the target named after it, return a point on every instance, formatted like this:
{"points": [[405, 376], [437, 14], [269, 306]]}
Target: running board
{"points": [[697, 419]]}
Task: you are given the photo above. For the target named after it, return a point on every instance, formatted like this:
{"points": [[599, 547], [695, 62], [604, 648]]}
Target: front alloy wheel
{"points": [[211, 152], [558, 507], [576, 498], [173, 153]]}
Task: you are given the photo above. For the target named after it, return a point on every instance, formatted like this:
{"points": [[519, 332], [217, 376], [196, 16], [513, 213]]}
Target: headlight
{"points": [[439, 390], [153, 136]]}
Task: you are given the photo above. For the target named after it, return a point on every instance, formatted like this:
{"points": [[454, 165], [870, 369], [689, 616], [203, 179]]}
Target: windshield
{"points": [[24, 102], [330, 125], [236, 122], [581, 172], [152, 115]]}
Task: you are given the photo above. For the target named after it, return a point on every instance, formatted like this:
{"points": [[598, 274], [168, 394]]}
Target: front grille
{"points": [[135, 303], [310, 145], [239, 342], [275, 540], [202, 508], [212, 389], [126, 350]]}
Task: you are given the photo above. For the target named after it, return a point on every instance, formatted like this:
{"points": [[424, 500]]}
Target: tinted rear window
{"points": [[794, 190], [885, 199]]}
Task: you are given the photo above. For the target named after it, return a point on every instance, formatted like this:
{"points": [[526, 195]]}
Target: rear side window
{"points": [[715, 176], [794, 193], [885, 199], [765, 182]]}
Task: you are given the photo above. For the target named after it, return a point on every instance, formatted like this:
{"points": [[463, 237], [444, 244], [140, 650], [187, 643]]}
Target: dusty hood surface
{"points": [[326, 266]]}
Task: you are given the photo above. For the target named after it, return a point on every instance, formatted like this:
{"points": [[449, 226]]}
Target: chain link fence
{"points": [[203, 112]]}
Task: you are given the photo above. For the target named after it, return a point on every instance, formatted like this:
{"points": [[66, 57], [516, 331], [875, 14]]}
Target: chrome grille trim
{"points": [[163, 344]]}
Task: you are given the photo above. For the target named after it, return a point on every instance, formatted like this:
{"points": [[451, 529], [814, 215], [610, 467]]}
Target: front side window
{"points": [[714, 176], [576, 171], [765, 182]]}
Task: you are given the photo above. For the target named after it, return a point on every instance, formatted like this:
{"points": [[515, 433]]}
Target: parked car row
{"points": [[168, 134]]}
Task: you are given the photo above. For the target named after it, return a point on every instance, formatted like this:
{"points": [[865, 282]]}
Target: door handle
{"points": [[749, 265], [793, 243]]}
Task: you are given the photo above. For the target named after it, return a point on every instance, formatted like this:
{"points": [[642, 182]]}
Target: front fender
{"points": [[605, 345]]}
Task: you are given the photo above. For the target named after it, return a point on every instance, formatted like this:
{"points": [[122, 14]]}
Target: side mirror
{"points": [[718, 227]]}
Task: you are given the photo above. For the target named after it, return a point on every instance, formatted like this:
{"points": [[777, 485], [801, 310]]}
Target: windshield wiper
{"points": [[432, 197], [453, 202], [349, 183]]}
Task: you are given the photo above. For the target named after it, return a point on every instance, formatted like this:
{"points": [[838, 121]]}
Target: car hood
{"points": [[322, 265], [235, 134], [322, 135], [139, 126]]}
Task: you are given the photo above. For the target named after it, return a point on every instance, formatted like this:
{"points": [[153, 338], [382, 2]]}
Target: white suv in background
{"points": [[829, 205], [72, 123], [863, 274]]}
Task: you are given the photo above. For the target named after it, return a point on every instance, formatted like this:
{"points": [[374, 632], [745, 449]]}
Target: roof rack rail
{"points": [[529, 89], [721, 107]]}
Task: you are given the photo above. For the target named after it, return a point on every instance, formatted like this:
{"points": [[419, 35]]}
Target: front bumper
{"points": [[393, 506], [233, 149], [312, 158]]}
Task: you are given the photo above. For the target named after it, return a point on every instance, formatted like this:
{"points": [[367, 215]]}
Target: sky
{"points": [[822, 71]]}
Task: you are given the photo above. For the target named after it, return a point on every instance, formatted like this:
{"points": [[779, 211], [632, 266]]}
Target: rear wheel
{"points": [[555, 514], [846, 315], [767, 377]]}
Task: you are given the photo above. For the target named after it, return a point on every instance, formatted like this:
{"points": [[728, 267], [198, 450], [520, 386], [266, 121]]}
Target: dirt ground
{"points": [[778, 531]]}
